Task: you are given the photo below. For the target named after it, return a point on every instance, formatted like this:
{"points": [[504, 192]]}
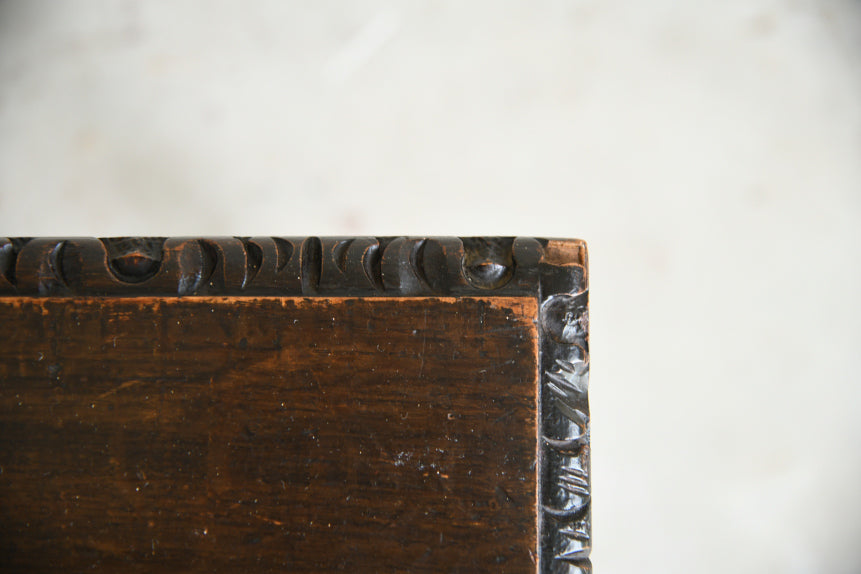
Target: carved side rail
{"points": [[564, 489]]}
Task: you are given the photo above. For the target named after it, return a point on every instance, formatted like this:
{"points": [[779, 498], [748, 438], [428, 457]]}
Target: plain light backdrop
{"points": [[709, 152]]}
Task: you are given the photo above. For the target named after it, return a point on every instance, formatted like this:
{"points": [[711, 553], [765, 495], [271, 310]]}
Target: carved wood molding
{"points": [[564, 470], [553, 270], [290, 266]]}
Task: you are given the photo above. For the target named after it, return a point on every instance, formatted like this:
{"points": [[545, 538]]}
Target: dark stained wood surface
{"points": [[268, 434]]}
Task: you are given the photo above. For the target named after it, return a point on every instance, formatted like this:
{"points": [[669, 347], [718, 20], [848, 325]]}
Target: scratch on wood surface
{"points": [[424, 344], [269, 520], [125, 385]]}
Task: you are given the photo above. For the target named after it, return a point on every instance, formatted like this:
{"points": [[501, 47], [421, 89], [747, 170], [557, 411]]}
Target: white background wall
{"points": [[708, 151]]}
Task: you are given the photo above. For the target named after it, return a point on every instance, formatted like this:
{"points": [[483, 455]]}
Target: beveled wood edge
{"points": [[555, 271]]}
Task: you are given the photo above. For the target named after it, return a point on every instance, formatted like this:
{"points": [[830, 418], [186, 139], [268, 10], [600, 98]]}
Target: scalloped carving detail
{"points": [[288, 266]]}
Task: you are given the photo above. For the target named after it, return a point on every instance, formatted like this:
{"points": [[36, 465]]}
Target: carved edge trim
{"points": [[564, 468], [286, 266]]}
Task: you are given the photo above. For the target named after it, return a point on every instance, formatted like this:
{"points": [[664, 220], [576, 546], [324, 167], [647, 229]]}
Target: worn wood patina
{"points": [[294, 404]]}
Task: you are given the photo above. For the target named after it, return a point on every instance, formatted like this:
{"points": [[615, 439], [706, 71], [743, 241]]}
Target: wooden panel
{"points": [[549, 277], [268, 434]]}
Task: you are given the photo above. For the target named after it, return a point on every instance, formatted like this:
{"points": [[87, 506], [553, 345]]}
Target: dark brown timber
{"points": [[294, 404]]}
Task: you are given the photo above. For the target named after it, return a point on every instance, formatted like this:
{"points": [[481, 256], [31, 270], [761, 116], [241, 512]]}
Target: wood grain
{"points": [[268, 434]]}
